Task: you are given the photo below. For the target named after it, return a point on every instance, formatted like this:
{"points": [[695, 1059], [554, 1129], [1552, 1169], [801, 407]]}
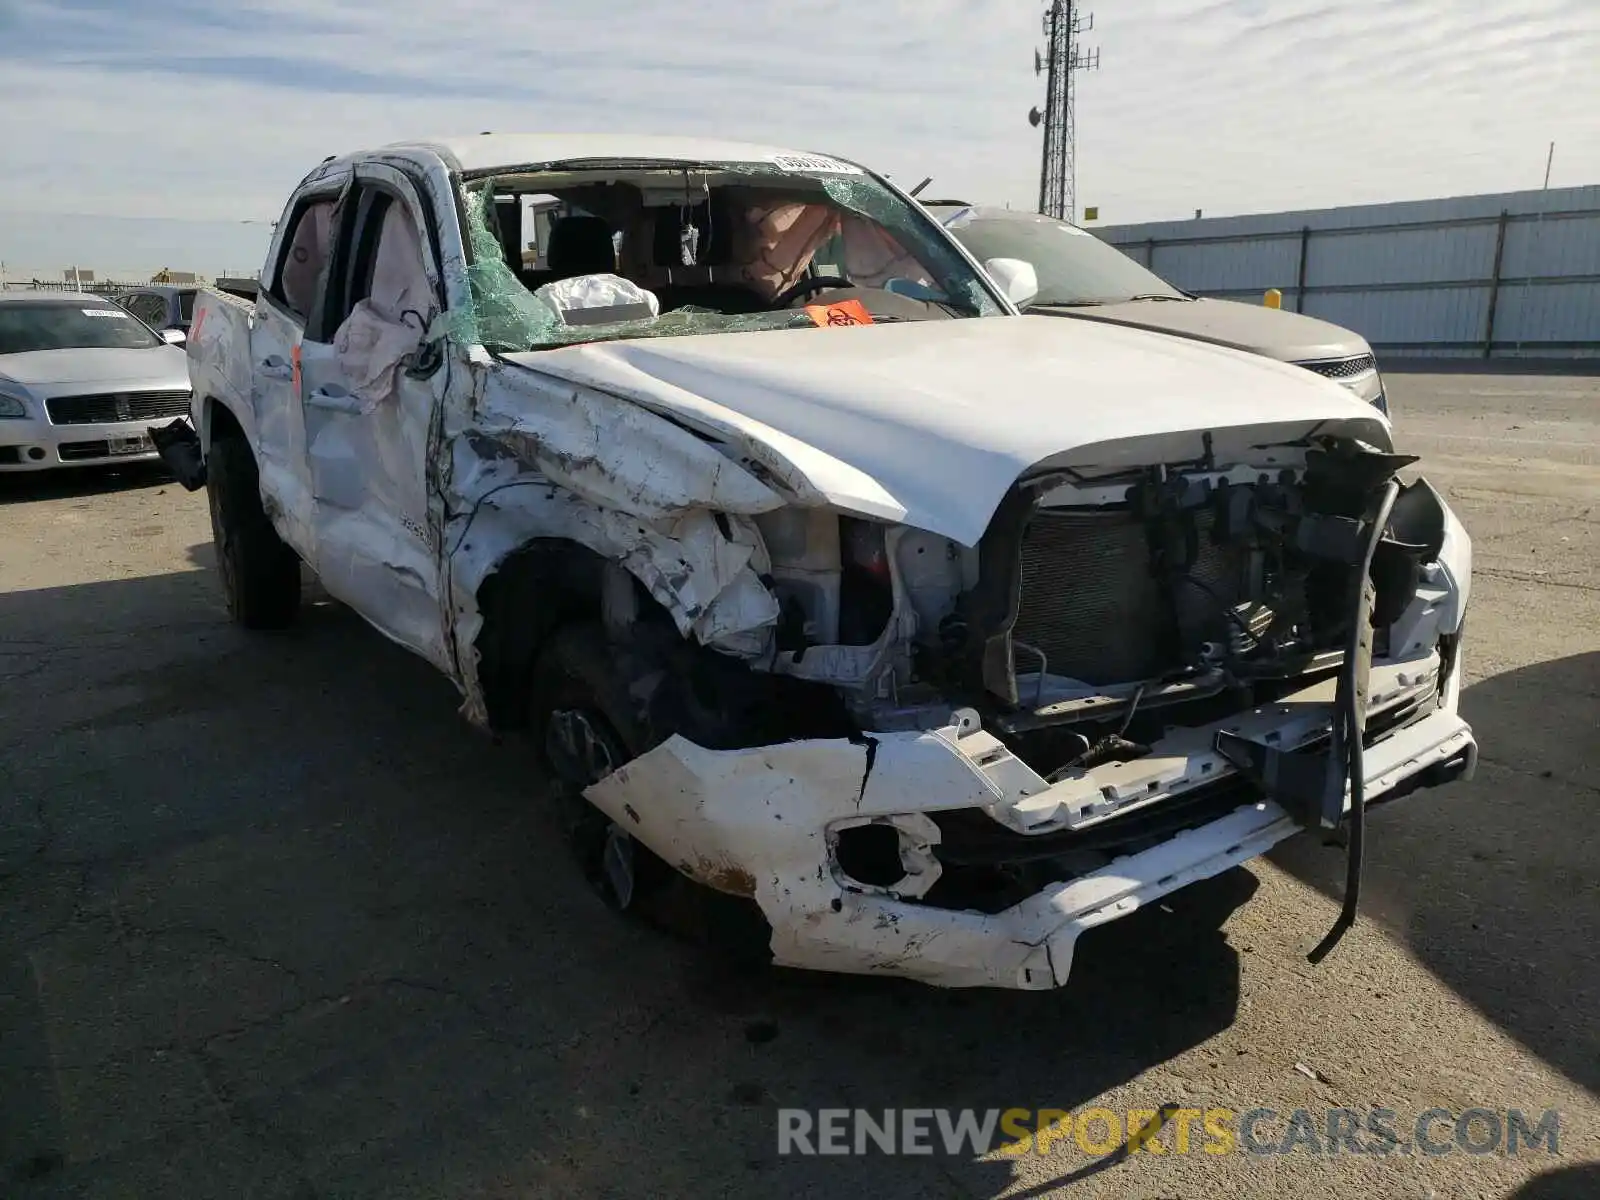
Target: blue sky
{"points": [[167, 132]]}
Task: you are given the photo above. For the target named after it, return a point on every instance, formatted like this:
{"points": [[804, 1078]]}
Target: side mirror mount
{"points": [[174, 337], [1016, 278]]}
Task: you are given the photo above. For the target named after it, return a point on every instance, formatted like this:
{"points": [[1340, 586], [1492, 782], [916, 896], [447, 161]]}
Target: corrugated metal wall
{"points": [[1516, 274]]}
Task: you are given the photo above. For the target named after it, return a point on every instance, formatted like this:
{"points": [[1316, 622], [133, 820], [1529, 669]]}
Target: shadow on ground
{"points": [[273, 921], [60, 483], [1567, 1183], [1492, 884]]}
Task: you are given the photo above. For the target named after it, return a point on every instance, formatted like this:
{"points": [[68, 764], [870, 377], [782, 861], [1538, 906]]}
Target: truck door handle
{"points": [[338, 401], [275, 367]]}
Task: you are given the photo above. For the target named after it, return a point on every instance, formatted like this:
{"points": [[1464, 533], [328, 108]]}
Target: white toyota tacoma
{"points": [[914, 635]]}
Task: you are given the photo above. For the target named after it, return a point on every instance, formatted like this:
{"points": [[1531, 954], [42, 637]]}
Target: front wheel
{"points": [[260, 574], [585, 723], [584, 732]]}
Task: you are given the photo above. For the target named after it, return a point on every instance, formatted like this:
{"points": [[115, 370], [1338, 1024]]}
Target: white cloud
{"points": [[205, 115]]}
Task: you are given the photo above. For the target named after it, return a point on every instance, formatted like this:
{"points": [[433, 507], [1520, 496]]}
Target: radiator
{"points": [[1092, 605]]}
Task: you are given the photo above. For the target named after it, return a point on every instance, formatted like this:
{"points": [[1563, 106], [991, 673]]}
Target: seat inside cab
{"points": [[721, 241]]}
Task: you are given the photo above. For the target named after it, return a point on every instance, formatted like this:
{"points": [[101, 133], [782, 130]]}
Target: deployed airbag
{"points": [[598, 300], [391, 321]]}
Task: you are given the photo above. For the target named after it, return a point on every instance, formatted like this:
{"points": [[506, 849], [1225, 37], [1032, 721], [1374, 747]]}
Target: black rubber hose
{"points": [[1350, 716]]}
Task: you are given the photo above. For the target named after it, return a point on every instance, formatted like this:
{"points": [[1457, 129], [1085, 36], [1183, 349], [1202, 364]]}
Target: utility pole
{"points": [[1063, 58]]}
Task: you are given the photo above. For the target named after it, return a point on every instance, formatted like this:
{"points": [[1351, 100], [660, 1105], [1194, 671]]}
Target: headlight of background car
{"points": [[13, 399], [1369, 387]]}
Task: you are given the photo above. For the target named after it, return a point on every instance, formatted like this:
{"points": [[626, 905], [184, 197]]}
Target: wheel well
{"points": [[536, 589], [715, 700], [218, 421]]}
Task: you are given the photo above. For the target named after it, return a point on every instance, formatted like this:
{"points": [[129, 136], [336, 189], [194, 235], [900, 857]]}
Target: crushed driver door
{"points": [[369, 399]]}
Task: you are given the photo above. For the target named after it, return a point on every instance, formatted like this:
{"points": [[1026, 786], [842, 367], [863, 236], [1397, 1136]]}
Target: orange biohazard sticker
{"points": [[294, 361], [845, 312]]}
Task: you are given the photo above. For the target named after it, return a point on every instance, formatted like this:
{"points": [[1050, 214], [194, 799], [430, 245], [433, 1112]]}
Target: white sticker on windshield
{"points": [[1065, 228], [105, 312], [813, 162]]}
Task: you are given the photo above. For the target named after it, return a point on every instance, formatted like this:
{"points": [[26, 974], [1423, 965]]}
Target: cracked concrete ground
{"points": [[274, 923]]}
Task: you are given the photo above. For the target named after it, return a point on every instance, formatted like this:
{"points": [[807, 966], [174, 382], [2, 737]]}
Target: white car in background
{"points": [[81, 380]]}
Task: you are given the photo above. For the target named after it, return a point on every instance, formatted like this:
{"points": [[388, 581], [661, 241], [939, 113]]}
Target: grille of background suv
{"points": [[1342, 368]]}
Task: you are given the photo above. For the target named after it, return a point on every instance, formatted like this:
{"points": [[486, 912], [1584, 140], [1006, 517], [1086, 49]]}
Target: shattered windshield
{"points": [[586, 253]]}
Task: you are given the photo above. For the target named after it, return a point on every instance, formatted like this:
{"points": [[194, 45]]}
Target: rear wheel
{"points": [[260, 574]]}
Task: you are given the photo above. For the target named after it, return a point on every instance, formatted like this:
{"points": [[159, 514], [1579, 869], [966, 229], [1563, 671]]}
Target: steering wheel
{"points": [[808, 285]]}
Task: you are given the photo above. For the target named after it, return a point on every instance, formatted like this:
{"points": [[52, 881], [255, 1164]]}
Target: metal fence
{"points": [[98, 287], [1513, 275], [14, 280]]}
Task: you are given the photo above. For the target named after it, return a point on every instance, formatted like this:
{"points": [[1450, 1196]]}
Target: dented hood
{"points": [[930, 423]]}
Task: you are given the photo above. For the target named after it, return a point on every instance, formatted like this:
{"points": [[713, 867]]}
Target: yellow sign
{"points": [[1091, 213]]}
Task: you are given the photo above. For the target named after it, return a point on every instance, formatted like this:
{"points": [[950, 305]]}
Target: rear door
{"points": [[369, 393], [289, 293]]}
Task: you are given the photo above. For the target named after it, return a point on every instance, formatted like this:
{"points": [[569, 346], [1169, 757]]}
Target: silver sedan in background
{"points": [[81, 380], [1075, 274]]}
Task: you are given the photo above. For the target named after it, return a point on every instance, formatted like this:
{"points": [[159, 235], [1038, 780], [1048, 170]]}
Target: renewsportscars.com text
{"points": [[1169, 1130]]}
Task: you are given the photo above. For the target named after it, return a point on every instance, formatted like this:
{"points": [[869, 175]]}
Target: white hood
{"points": [[930, 423]]}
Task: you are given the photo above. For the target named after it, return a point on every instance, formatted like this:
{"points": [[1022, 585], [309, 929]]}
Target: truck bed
{"points": [[219, 357]]}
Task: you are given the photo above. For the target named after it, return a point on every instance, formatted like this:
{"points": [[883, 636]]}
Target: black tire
{"points": [[260, 574], [578, 673], [583, 728]]}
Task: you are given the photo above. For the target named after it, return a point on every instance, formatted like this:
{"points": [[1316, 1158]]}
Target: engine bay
{"points": [[1098, 612]]}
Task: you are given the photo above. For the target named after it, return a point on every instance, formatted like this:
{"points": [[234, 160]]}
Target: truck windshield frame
{"points": [[776, 232]]}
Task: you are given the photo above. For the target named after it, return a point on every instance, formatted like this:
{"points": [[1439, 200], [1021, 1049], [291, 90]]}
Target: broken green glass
{"points": [[506, 316]]}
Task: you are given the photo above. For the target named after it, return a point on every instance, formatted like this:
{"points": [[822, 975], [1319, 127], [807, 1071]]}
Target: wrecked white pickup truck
{"points": [[924, 634]]}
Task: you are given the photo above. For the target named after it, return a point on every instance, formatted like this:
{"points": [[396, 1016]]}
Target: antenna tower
{"points": [[1064, 57]]}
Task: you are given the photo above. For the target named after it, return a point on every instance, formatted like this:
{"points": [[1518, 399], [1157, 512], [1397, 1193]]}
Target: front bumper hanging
{"points": [[1312, 788], [769, 816]]}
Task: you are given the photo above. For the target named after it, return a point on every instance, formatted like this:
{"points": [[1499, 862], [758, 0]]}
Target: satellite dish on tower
{"points": [[1034, 117]]}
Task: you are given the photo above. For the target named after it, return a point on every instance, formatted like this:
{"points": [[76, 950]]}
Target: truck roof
{"points": [[487, 151]]}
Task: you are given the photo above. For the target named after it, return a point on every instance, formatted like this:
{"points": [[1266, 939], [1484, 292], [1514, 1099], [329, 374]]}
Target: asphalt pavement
{"points": [[275, 922]]}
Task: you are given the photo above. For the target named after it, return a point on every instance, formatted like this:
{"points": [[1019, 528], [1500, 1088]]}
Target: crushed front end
{"points": [[1139, 678]]}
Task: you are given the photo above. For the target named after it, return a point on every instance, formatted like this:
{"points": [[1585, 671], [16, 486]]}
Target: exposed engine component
{"points": [[1192, 572], [1089, 601]]}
